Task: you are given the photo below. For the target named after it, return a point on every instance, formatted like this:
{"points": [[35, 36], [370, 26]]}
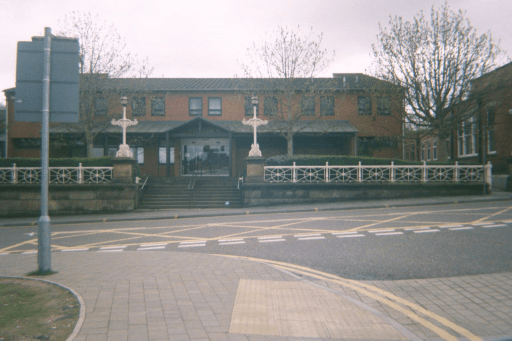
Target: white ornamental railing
{"points": [[392, 173], [58, 175]]}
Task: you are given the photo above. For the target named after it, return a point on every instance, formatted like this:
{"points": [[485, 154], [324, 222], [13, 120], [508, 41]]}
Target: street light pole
{"points": [[254, 122], [124, 149]]}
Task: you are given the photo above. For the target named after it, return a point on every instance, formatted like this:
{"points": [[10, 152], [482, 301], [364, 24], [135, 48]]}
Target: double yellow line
{"points": [[387, 298]]}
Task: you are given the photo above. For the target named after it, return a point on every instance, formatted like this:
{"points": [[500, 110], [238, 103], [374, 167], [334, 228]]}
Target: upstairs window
{"points": [[384, 106], [139, 106], [214, 106], [434, 150], [249, 111], [158, 106], [364, 106], [195, 106], [327, 105], [270, 106], [100, 107], [307, 105]]}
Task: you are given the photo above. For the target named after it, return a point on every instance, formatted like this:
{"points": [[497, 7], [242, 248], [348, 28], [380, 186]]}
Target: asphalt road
{"points": [[371, 244]]}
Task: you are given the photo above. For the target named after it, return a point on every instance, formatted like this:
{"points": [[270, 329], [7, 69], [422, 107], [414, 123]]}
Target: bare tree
{"points": [[103, 55], [282, 68], [435, 61]]}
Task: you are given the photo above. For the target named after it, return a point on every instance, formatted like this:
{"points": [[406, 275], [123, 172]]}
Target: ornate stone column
{"points": [[255, 162]]}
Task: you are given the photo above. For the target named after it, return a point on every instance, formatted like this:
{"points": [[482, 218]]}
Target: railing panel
{"points": [[342, 174], [58, 175], [390, 173], [278, 174]]}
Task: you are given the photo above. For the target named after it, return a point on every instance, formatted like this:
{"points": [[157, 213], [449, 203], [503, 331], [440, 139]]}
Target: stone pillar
{"points": [[123, 169], [255, 171]]}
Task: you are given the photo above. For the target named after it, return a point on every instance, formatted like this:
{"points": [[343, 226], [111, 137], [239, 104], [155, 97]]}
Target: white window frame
{"points": [[434, 150], [491, 135], [463, 137]]}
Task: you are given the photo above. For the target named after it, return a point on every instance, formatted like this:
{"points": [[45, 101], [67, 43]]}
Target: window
{"points": [[434, 150], [162, 152], [327, 105], [384, 106], [491, 136], [307, 105], [423, 151], [270, 106], [139, 106], [162, 155], [249, 111], [100, 107], [214, 106], [158, 106], [364, 106], [195, 106], [467, 138], [429, 150], [138, 154]]}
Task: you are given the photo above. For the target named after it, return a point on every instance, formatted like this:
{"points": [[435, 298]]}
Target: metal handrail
{"points": [[144, 184]]}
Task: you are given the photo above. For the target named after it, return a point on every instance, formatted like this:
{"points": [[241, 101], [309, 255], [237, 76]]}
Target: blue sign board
{"points": [[63, 80]]}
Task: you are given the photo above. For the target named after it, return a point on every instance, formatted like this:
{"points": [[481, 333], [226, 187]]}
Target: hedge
{"points": [[60, 162], [336, 160]]}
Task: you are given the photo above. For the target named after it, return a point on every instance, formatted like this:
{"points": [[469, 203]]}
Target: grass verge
{"points": [[31, 309]]}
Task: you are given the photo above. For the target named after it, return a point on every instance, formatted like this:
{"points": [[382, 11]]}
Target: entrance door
{"points": [[208, 157]]}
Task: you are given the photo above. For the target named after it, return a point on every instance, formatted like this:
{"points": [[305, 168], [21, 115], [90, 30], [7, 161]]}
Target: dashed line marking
{"points": [[273, 237], [388, 233], [1, 254], [417, 228], [28, 252], [380, 231], [311, 238], [343, 233], [482, 224], [461, 228], [307, 235], [193, 244], [112, 247], [151, 248], [425, 231], [153, 245], [350, 236], [230, 240], [232, 243], [75, 250], [112, 250], [501, 225], [271, 240]]}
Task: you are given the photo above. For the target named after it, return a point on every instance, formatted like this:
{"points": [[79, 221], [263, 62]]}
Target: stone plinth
{"points": [[255, 169], [123, 169]]}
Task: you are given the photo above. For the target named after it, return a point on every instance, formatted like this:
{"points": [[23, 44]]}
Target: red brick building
{"points": [[190, 126]]}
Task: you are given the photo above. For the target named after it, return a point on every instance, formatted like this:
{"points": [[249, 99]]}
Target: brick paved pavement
{"points": [[159, 295]]}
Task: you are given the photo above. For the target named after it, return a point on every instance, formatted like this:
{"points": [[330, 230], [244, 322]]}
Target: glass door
{"points": [[205, 157]]}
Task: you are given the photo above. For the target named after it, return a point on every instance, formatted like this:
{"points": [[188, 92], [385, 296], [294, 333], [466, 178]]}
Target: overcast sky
{"points": [[209, 38]]}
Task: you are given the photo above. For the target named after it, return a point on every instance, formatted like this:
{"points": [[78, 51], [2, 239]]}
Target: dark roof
{"points": [[345, 82], [155, 127]]}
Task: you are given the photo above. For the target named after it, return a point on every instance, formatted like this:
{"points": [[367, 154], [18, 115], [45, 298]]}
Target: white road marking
{"points": [[310, 238], [482, 224], [1, 254], [416, 228], [113, 247], [271, 240], [151, 248], [350, 235], [425, 231], [503, 225], [31, 234], [388, 233], [380, 231], [230, 240], [191, 245], [153, 245], [343, 233], [232, 243], [74, 250], [307, 235], [28, 252], [273, 237], [112, 250], [461, 228], [194, 242]]}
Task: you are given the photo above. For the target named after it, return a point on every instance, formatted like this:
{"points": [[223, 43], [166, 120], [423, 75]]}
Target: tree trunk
{"points": [[442, 151], [289, 145]]}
